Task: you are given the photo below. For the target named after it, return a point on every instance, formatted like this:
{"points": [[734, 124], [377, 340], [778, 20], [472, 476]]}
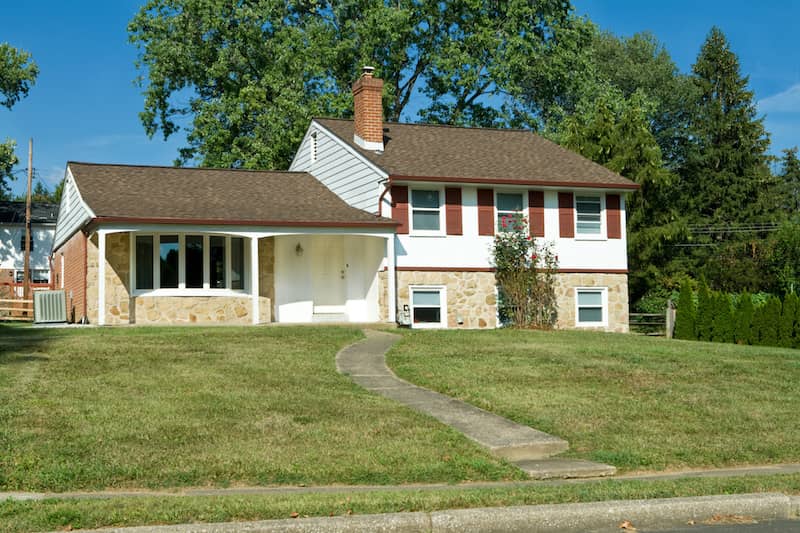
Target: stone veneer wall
{"points": [[470, 295], [617, 285], [235, 310]]}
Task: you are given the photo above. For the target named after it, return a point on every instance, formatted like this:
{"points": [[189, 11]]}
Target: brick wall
{"points": [[73, 274]]}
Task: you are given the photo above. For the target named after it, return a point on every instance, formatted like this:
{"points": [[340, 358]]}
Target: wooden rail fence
{"points": [[16, 309]]}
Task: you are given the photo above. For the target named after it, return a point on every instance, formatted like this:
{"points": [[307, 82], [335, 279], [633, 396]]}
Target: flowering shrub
{"points": [[525, 272]]}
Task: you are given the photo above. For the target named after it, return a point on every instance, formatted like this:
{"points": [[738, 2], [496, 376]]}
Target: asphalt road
{"points": [[776, 526]]}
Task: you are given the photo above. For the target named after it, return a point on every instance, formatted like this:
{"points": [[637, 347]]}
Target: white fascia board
{"points": [[382, 173], [243, 231]]}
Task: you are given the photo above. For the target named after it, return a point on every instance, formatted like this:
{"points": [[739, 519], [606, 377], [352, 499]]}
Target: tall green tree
{"points": [[789, 179], [18, 73], [726, 168], [614, 130], [244, 78], [705, 312]]}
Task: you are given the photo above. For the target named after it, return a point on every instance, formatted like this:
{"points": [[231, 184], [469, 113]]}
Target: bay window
{"points": [[186, 261]]}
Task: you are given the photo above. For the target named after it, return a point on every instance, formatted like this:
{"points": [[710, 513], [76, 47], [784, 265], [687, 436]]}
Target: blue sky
{"points": [[85, 106]]}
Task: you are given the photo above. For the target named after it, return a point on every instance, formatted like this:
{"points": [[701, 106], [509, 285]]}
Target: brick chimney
{"points": [[368, 110]]}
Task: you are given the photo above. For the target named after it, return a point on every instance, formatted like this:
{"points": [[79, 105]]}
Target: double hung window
{"points": [[426, 211], [428, 307], [587, 212], [509, 210], [591, 306]]}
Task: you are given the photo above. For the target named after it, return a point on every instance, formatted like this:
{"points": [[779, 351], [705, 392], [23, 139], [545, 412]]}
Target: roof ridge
{"points": [[427, 124], [172, 167]]}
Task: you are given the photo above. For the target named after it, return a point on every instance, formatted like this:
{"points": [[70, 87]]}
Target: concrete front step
{"points": [[558, 468]]}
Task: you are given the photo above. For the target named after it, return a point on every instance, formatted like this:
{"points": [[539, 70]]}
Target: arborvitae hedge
{"points": [[722, 320], [769, 316], [743, 319], [786, 330], [705, 313], [686, 314], [772, 323]]}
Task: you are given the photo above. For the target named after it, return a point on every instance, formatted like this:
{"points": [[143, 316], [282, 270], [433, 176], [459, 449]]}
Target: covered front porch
{"points": [[170, 274]]}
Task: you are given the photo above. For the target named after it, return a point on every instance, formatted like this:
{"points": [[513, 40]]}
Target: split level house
{"points": [[374, 222], [13, 245]]}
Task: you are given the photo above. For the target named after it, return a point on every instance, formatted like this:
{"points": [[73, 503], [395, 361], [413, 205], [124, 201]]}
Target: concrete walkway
{"points": [[529, 449]]}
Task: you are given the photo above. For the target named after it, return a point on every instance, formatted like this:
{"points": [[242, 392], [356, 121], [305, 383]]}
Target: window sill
{"points": [[426, 234], [190, 292], [590, 237], [591, 325]]}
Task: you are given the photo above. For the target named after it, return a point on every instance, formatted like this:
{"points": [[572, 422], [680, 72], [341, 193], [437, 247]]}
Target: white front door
{"points": [[329, 274]]}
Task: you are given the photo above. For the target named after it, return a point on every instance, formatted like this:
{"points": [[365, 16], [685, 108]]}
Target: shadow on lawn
{"points": [[22, 345]]}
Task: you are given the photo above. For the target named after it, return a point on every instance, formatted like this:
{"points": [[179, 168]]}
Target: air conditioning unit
{"points": [[49, 307]]}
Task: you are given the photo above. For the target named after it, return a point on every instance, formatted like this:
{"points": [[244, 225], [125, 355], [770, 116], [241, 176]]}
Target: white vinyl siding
{"points": [[73, 212], [347, 175]]}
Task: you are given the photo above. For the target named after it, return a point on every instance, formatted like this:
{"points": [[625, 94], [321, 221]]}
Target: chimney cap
{"points": [[366, 70]]}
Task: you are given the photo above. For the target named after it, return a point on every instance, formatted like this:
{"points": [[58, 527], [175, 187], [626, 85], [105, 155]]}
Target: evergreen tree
{"points": [[787, 327], [727, 163], [790, 181], [705, 312], [770, 317], [744, 319], [722, 323], [686, 314]]}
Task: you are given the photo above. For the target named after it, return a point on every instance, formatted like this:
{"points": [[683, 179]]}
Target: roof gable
{"points": [[447, 153]]}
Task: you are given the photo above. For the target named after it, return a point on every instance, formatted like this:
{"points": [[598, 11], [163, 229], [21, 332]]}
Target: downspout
{"points": [[387, 184]]}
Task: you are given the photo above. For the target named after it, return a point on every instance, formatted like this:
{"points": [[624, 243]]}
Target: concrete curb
{"points": [[564, 518]]}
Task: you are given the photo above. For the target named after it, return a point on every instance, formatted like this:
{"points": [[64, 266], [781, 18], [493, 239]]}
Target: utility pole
{"points": [[26, 272]]}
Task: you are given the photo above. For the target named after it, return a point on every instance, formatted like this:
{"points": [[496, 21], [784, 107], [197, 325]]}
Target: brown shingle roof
{"points": [[447, 153], [172, 194]]}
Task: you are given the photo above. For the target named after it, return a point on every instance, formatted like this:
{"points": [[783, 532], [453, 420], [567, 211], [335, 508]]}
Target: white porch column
{"points": [[254, 274], [101, 277], [391, 280]]}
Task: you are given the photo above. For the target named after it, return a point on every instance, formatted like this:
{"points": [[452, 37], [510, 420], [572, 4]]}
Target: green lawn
{"points": [[636, 402], [167, 407]]}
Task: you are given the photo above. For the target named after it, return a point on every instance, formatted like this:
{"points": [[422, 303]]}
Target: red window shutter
{"points": [[485, 212], [452, 200], [566, 216], [400, 207], [536, 208], [613, 219]]}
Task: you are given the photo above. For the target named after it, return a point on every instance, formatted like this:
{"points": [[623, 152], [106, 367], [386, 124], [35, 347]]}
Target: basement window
{"points": [[428, 307], [592, 304]]}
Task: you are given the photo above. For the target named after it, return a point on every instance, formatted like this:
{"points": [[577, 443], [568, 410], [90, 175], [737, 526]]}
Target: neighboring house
{"points": [[12, 245], [375, 222]]}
